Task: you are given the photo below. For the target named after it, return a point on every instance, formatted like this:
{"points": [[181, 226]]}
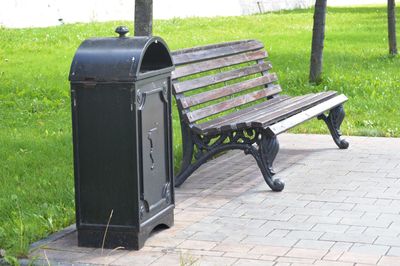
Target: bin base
{"points": [[92, 236]]}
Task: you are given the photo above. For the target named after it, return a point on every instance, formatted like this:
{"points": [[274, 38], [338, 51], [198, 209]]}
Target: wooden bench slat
{"points": [[247, 120], [287, 104], [276, 116], [276, 113], [301, 117], [229, 104], [241, 120], [197, 83], [209, 46], [200, 67], [200, 128], [203, 53], [227, 90]]}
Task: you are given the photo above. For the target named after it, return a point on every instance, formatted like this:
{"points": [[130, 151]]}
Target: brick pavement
{"points": [[339, 207]]}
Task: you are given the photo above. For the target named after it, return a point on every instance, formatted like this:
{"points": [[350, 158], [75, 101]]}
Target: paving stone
{"points": [[204, 227], [299, 218], [234, 238], [304, 235], [331, 228], [256, 214], [324, 220], [332, 263], [359, 258], [389, 261], [237, 247], [338, 206], [356, 229], [209, 236], [369, 249], [390, 217], [283, 264], [296, 260], [375, 208], [387, 240], [306, 253], [288, 225], [215, 261], [307, 211], [269, 250], [269, 241], [394, 251], [341, 246], [130, 258], [279, 233], [174, 259], [383, 202], [245, 256], [58, 255], [333, 255], [389, 232], [346, 214], [360, 200], [360, 238], [246, 262], [195, 244], [314, 244], [68, 243], [164, 241], [198, 252]]}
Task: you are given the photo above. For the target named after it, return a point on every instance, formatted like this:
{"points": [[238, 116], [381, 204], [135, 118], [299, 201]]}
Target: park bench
{"points": [[227, 99]]}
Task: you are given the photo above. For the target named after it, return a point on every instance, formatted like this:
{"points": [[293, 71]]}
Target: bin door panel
{"points": [[103, 160], [153, 115]]}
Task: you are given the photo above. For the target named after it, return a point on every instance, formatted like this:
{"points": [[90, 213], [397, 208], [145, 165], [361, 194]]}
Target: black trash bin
{"points": [[121, 115]]}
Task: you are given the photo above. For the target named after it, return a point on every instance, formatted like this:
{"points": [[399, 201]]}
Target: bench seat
{"points": [[265, 114]]}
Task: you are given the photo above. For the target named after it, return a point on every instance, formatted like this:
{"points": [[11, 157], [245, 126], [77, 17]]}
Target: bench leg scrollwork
{"points": [[198, 149], [333, 121]]}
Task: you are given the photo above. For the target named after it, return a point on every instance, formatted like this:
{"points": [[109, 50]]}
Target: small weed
{"points": [[187, 259]]}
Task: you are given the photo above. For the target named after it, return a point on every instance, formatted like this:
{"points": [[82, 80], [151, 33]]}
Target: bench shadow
{"points": [[286, 158]]}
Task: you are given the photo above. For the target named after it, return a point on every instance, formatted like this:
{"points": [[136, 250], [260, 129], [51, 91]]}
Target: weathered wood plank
{"points": [[241, 118], [229, 104], [208, 126], [196, 68], [226, 90], [287, 104], [301, 117], [208, 46], [276, 116], [196, 83], [207, 52], [248, 120]]}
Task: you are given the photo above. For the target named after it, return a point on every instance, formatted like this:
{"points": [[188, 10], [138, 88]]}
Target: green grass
{"points": [[36, 179]]}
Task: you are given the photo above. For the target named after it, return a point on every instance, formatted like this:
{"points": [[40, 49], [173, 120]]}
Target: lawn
{"points": [[36, 177]]}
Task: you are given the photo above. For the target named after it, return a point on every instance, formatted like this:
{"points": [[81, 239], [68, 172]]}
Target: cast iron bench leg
{"points": [[268, 148], [333, 121]]}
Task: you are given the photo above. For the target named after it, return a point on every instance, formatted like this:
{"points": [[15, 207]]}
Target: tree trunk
{"points": [[317, 46], [391, 10], [143, 17]]}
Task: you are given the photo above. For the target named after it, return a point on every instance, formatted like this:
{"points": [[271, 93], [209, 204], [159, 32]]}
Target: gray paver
{"points": [[369, 249], [314, 244], [339, 207]]}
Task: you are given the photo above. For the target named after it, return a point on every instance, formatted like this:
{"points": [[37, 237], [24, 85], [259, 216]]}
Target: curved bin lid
{"points": [[120, 59]]}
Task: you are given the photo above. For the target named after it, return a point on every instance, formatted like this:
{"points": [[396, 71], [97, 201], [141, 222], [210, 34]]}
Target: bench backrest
{"points": [[218, 78]]}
